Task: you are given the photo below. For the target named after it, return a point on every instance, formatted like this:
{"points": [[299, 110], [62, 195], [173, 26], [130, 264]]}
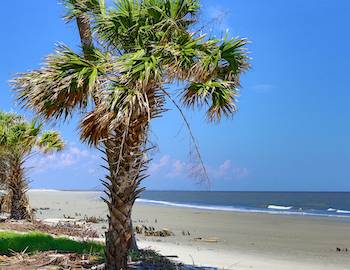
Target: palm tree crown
{"points": [[145, 45], [18, 140], [19, 137]]}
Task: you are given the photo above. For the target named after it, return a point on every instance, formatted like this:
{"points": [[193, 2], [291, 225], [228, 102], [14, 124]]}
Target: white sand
{"points": [[245, 240], [234, 260]]}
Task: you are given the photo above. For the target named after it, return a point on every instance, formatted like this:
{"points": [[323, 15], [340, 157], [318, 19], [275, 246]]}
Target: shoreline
{"points": [[245, 240], [270, 209]]}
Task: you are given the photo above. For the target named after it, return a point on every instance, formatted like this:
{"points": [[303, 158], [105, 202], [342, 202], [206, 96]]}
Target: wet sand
{"points": [[235, 240]]}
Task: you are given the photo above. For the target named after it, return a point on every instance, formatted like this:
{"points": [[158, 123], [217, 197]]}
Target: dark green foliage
{"points": [[33, 242]]}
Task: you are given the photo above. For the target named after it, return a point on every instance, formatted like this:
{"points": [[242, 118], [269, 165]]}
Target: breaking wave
{"points": [[270, 209]]}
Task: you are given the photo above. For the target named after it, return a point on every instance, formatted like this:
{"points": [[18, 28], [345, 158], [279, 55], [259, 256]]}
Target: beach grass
{"points": [[36, 241]]}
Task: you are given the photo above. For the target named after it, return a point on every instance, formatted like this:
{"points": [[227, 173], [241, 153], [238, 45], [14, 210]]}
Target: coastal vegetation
{"points": [[19, 140], [37, 241], [131, 54]]}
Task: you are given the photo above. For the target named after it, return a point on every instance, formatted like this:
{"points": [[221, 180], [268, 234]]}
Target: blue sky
{"points": [[291, 132]]}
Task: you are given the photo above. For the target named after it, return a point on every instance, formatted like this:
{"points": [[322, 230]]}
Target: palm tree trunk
{"points": [[84, 28], [126, 164], [18, 187], [120, 237]]}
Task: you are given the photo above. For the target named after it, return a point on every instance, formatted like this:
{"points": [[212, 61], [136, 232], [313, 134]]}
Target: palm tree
{"points": [[18, 140], [121, 83]]}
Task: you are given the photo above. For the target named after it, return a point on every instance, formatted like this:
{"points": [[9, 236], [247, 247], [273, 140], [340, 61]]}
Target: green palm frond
{"points": [[150, 44], [120, 27], [213, 75], [66, 81], [50, 141], [19, 136], [137, 24], [140, 69], [218, 96], [77, 7]]}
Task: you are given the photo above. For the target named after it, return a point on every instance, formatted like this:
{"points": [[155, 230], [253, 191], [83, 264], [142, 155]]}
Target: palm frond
{"points": [[219, 96], [136, 24], [116, 109], [19, 136], [67, 81], [50, 141], [76, 8], [140, 70], [212, 69]]}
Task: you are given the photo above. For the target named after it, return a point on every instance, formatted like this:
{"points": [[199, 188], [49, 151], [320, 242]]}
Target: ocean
{"points": [[330, 204]]}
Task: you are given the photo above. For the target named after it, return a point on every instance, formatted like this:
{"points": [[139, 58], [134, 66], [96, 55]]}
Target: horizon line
{"points": [[178, 190]]}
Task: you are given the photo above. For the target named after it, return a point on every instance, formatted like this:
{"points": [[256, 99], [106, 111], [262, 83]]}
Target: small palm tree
{"points": [[143, 46], [18, 140]]}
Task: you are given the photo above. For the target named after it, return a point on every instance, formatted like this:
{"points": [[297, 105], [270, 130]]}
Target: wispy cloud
{"points": [[169, 167], [156, 166], [177, 168], [225, 167], [70, 156]]}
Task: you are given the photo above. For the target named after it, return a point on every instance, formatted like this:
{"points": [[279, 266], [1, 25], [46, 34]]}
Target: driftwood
{"points": [[151, 231], [61, 228], [43, 260], [207, 240]]}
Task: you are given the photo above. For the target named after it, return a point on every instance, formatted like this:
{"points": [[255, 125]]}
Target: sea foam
{"points": [[271, 209], [343, 211], [279, 207]]}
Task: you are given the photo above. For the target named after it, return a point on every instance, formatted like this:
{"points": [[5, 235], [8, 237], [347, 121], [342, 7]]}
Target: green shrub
{"points": [[36, 241]]}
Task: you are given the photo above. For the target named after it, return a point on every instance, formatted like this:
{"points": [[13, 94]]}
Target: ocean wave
{"points": [[279, 207], [331, 210], [280, 210], [343, 211], [204, 207]]}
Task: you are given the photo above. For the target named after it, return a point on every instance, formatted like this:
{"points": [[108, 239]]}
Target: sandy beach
{"points": [[228, 240]]}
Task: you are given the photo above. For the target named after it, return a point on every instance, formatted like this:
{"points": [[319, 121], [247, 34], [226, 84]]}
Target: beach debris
{"points": [[207, 240], [40, 209], [184, 233], [43, 260], [3, 218], [68, 217], [342, 249], [138, 229], [151, 231], [59, 228], [146, 259], [94, 219]]}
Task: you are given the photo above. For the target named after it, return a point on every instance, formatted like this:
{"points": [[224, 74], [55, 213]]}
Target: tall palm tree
{"points": [[18, 140], [121, 84]]}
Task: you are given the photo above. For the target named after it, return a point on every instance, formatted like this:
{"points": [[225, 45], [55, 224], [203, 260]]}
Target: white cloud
{"points": [[178, 167], [80, 153], [240, 172], [157, 166], [70, 156], [174, 168], [226, 170], [224, 167]]}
